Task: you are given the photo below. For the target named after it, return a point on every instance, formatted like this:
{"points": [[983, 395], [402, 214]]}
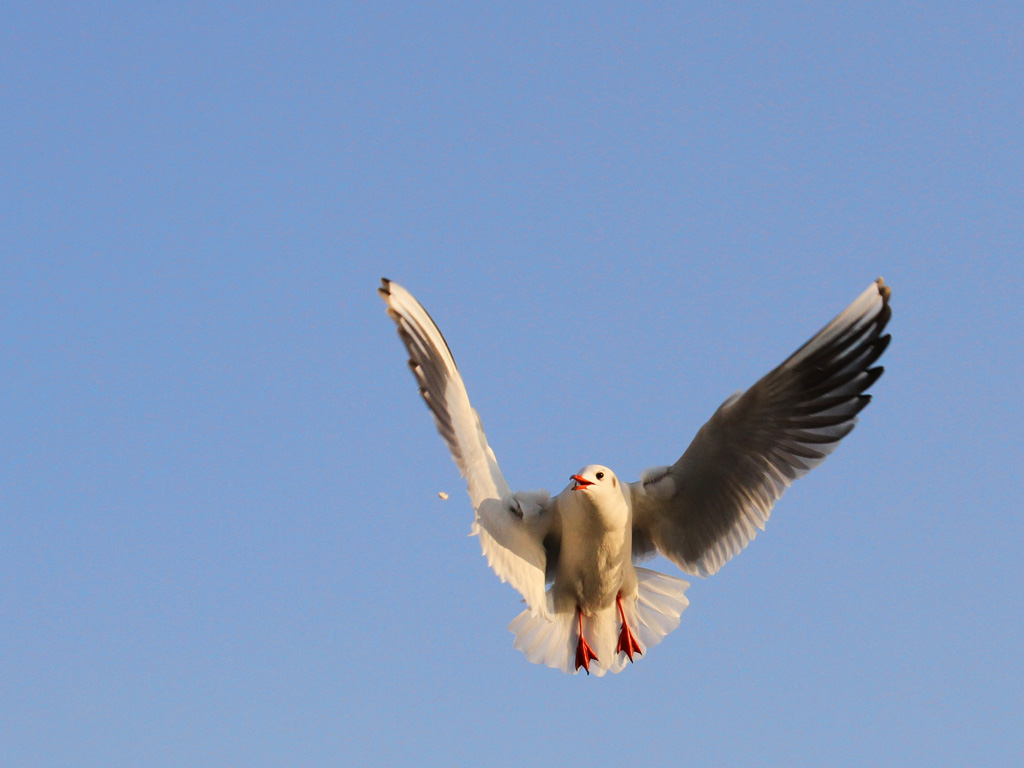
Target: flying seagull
{"points": [[602, 611]]}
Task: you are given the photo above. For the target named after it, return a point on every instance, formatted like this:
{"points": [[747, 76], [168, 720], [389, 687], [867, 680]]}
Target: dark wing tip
{"points": [[385, 288], [881, 344], [872, 376]]}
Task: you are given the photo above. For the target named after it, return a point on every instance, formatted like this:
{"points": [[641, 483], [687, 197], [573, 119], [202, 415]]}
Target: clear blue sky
{"points": [[222, 542]]}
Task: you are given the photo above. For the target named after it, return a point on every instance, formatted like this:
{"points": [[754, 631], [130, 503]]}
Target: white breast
{"points": [[594, 563]]}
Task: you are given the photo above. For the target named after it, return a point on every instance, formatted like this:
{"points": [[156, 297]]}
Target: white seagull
{"points": [[601, 611]]}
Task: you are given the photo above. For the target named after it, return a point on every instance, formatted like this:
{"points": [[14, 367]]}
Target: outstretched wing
{"points": [[511, 527], [708, 505]]}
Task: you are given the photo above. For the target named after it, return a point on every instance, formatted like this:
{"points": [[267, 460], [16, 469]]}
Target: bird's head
{"points": [[594, 479], [595, 491]]}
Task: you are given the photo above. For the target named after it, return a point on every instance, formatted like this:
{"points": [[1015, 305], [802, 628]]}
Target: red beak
{"points": [[581, 482]]}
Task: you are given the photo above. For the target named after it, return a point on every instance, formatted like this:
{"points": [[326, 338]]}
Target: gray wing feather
{"points": [[709, 505]]}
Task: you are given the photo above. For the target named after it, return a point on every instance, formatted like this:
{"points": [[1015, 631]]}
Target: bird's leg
{"points": [[584, 653], [627, 642]]}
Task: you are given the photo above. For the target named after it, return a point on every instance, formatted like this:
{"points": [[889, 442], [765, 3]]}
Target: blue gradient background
{"points": [[222, 542]]}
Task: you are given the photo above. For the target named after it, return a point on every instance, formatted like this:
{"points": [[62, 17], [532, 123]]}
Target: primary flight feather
{"points": [[572, 556]]}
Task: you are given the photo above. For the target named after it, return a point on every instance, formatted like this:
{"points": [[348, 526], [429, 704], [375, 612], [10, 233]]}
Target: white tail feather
{"points": [[551, 639]]}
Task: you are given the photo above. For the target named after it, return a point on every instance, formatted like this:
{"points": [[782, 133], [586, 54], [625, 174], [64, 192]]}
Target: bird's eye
{"points": [[599, 475]]}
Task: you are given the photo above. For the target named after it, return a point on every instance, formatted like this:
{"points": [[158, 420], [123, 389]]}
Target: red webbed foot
{"points": [[584, 653], [627, 642]]}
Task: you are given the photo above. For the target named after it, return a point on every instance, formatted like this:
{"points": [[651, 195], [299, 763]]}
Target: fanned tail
{"points": [[660, 603], [551, 639], [546, 638]]}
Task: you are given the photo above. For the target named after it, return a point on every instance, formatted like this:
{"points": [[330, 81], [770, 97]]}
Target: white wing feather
{"points": [[511, 527]]}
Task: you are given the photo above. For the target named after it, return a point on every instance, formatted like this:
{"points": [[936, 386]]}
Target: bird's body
{"points": [[595, 558], [601, 610]]}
